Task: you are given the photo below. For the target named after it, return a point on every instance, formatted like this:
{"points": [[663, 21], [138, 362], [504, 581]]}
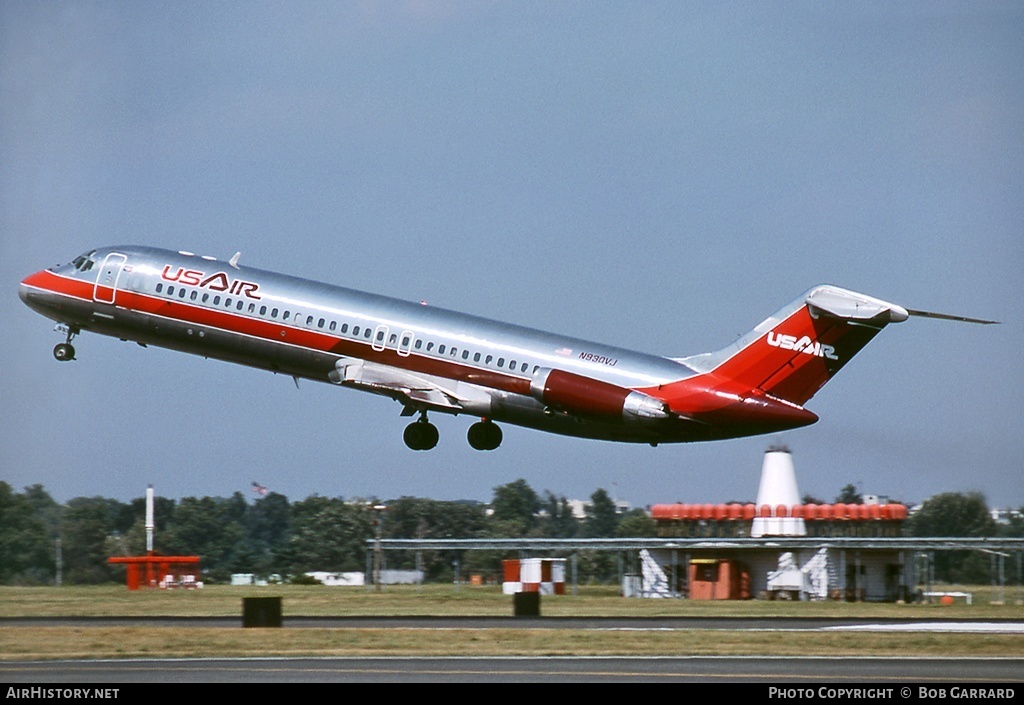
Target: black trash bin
{"points": [[527, 604], [261, 611]]}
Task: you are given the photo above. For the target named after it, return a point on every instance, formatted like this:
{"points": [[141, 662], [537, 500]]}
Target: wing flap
{"points": [[410, 389]]}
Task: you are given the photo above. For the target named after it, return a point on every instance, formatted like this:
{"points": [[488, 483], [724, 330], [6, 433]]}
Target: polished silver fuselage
{"points": [[427, 358]]}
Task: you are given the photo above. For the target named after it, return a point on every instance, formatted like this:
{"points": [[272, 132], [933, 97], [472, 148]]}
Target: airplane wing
{"points": [[412, 390]]}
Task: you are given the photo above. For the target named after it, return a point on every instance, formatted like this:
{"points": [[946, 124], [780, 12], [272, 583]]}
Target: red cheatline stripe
{"points": [[187, 312]]}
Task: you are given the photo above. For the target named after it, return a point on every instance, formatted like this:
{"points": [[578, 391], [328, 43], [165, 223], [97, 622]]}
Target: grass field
{"points": [[41, 643]]}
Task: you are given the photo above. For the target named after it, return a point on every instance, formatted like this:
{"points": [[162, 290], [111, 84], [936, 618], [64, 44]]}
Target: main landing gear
{"points": [[423, 435], [66, 351], [484, 435]]}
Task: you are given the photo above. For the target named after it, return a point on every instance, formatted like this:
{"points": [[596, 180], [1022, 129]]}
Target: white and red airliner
{"points": [[434, 360]]}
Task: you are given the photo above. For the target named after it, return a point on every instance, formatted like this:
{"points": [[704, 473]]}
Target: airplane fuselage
{"points": [[432, 359]]}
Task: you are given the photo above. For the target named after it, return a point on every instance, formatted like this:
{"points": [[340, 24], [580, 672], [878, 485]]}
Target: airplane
{"points": [[436, 360]]}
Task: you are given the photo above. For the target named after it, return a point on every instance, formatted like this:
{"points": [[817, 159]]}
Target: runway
{"points": [[582, 623], [894, 673]]}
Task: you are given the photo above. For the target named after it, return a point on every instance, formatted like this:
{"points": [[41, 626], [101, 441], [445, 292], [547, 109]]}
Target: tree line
{"points": [[40, 537], [272, 536]]}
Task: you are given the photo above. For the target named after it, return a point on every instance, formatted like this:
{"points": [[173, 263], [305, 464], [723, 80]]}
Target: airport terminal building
{"points": [[774, 548]]}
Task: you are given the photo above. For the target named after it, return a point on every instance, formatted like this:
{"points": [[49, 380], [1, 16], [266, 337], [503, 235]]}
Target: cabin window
{"points": [[263, 310], [240, 305], [393, 339], [194, 295], [344, 327], [334, 325], [380, 336], [309, 320], [320, 323], [405, 342], [476, 357], [453, 351], [159, 287], [170, 291], [441, 349], [366, 333], [273, 313], [181, 293], [488, 360], [355, 331], [512, 365], [286, 315], [430, 346], [419, 344], [501, 362], [524, 367], [227, 302], [206, 297], [252, 308], [465, 354], [216, 300]]}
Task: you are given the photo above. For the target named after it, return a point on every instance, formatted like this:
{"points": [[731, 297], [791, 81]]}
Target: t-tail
{"points": [[762, 381]]}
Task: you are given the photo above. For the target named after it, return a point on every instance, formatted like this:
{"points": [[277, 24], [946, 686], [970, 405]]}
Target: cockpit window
{"points": [[83, 263]]}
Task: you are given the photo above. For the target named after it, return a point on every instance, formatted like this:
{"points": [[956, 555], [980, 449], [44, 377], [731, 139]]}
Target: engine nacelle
{"points": [[586, 396]]}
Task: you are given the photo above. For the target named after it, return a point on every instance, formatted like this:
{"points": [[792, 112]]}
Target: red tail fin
{"points": [[792, 354]]}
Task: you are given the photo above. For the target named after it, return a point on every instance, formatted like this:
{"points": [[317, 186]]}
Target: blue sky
{"points": [[658, 175]]}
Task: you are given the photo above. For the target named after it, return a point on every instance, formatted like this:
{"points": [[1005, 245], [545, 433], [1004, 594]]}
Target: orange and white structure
{"points": [[543, 575]]}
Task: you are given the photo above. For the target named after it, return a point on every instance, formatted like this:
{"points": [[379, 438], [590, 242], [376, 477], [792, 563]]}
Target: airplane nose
{"points": [[30, 289], [23, 289]]}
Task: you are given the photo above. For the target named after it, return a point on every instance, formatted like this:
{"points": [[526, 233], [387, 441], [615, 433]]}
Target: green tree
{"points": [[953, 514], [87, 526], [636, 524], [956, 514], [328, 534], [26, 549], [515, 508], [559, 521], [416, 518], [602, 517], [212, 528], [849, 495], [268, 529]]}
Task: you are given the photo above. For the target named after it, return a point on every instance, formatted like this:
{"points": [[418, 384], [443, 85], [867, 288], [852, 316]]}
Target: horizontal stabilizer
{"points": [[843, 303], [950, 317]]}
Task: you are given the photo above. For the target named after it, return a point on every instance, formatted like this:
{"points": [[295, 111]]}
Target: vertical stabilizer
{"points": [[793, 353]]}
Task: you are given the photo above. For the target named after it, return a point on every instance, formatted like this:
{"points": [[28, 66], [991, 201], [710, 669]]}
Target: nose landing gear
{"points": [[65, 351]]}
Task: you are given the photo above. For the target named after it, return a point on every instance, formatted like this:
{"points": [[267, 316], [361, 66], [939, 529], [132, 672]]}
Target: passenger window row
{"points": [[357, 331]]}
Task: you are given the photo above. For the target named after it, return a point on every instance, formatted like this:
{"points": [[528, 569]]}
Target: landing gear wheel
{"points": [[64, 352], [484, 435], [421, 435]]}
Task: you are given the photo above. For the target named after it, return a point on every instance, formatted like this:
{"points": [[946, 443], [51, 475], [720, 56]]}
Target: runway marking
{"points": [[973, 627]]}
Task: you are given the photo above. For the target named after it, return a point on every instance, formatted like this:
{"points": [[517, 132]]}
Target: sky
{"points": [[656, 175]]}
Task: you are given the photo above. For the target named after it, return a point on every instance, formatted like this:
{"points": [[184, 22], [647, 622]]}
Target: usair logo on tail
{"points": [[804, 345]]}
